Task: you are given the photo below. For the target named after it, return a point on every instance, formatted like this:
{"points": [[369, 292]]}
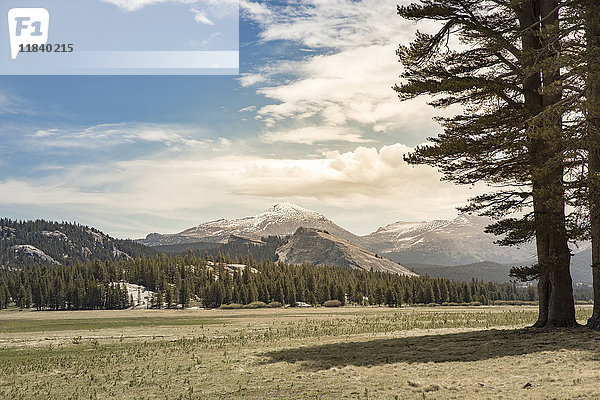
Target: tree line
{"points": [[178, 280], [527, 79]]}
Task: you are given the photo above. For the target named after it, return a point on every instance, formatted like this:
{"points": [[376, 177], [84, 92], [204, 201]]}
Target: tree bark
{"points": [[561, 305], [528, 14], [592, 108], [556, 305]]}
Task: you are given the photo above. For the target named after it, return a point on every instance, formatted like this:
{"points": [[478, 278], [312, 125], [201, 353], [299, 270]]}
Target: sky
{"points": [[312, 119]]}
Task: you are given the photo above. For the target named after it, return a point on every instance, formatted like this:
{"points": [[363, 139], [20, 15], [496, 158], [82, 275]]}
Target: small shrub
{"points": [[514, 303], [275, 304], [256, 304], [232, 306], [332, 303]]}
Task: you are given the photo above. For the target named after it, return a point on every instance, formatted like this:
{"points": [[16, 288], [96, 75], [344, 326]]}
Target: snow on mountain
{"points": [[400, 234], [455, 242], [281, 219]]}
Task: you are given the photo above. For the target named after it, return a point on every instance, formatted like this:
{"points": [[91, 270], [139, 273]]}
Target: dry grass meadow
{"points": [[319, 353]]}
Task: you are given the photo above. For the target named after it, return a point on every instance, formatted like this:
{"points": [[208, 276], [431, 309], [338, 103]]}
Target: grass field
{"points": [[320, 353]]}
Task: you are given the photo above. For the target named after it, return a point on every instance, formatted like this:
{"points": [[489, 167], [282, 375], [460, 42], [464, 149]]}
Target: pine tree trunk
{"points": [[556, 306], [594, 187], [592, 15], [543, 295], [529, 14], [561, 305]]}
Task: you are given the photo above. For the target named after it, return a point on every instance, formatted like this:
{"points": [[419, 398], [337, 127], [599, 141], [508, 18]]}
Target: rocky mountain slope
{"points": [[281, 219], [459, 241], [320, 247], [24, 243]]}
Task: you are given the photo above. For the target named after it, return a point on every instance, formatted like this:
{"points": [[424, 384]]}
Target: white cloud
{"points": [[258, 12], [13, 105], [201, 17], [108, 135], [314, 134], [251, 79], [134, 5], [366, 172], [348, 83], [202, 9]]}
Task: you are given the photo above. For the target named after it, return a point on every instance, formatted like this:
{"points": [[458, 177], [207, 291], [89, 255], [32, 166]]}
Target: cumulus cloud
{"points": [[247, 109], [366, 171]]}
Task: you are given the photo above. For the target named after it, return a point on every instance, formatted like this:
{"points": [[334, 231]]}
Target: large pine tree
{"points": [[591, 17], [510, 134]]}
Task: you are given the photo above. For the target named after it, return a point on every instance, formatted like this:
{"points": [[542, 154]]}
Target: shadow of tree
{"points": [[464, 346]]}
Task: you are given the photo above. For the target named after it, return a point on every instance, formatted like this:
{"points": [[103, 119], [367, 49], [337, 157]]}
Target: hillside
{"points": [[322, 248], [24, 243], [236, 246]]}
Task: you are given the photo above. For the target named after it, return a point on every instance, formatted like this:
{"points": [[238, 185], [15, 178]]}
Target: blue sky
{"points": [[311, 120]]}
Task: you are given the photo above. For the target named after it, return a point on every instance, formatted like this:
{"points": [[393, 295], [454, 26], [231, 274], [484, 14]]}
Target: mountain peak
{"points": [[289, 208], [280, 220]]}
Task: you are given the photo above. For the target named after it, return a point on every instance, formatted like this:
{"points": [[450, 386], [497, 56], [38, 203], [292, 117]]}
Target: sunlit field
{"points": [[317, 353]]}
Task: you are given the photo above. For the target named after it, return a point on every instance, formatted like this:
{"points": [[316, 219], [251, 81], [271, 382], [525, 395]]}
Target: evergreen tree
{"points": [[591, 16], [511, 137], [169, 297]]}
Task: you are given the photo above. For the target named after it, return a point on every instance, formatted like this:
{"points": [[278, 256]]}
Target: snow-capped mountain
{"points": [[281, 219], [400, 235], [441, 242], [459, 241]]}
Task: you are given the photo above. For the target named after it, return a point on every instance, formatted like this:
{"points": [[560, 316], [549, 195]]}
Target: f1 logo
{"points": [[27, 26]]}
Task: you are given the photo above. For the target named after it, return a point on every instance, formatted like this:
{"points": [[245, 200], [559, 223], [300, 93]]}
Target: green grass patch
{"points": [[51, 325]]}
